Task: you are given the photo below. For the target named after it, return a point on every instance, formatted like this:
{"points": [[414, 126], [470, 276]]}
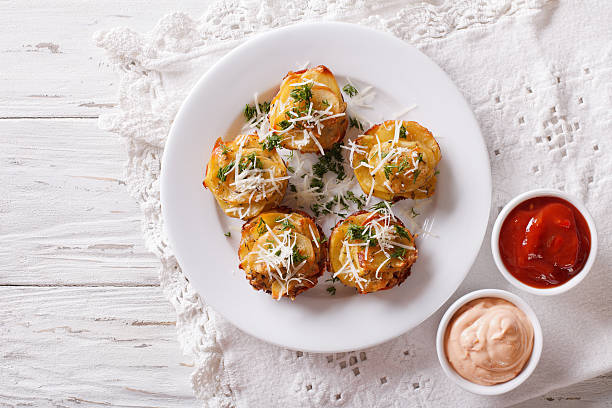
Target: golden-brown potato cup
{"points": [[397, 163], [309, 111], [283, 252], [371, 251], [257, 183]]}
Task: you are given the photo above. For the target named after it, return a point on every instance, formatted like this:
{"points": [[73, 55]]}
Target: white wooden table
{"points": [[82, 319]]}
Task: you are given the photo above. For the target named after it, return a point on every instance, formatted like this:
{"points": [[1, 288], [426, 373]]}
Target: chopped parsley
{"points": [[388, 170], [286, 223], [420, 158], [284, 124], [225, 150], [350, 90], [292, 188], [413, 213], [437, 172], [359, 201], [401, 232], [222, 173], [357, 232], [228, 234], [261, 227], [271, 142], [325, 103], [398, 253], [333, 279], [331, 161], [416, 174], [298, 258], [291, 169], [331, 290], [264, 107], [251, 161], [354, 123], [402, 132], [250, 111], [381, 206], [317, 183], [302, 93]]}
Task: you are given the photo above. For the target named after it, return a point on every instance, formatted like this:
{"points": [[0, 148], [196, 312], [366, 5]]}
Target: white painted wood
{"points": [[50, 66], [65, 214], [66, 220], [110, 346]]}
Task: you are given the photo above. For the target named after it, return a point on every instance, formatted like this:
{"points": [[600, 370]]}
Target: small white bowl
{"points": [[497, 388], [502, 217]]}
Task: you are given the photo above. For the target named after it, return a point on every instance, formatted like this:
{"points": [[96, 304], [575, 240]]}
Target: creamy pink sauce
{"points": [[488, 341]]}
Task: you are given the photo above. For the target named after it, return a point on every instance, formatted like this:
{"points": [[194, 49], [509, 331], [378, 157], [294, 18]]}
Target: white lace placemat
{"points": [[538, 75]]}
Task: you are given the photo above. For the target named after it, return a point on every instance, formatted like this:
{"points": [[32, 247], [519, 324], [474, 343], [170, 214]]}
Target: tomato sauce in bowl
{"points": [[544, 242]]}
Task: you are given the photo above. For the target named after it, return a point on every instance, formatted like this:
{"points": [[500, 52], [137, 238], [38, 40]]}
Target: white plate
{"points": [[457, 216]]}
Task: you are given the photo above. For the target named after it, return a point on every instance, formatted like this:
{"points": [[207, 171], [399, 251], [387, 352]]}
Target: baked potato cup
{"points": [[396, 160], [371, 251], [283, 252], [258, 182], [309, 111]]}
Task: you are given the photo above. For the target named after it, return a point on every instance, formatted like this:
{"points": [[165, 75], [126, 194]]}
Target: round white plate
{"points": [[456, 217]]}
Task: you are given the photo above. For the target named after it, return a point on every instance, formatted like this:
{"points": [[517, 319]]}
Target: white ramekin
{"points": [[544, 193], [529, 367]]}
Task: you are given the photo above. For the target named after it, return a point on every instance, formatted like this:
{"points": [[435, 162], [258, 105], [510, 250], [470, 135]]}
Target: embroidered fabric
{"points": [[538, 78]]}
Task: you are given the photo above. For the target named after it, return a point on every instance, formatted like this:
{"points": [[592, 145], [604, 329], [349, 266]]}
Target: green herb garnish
{"points": [[402, 132], [271, 142], [381, 206], [297, 256], [414, 213], [359, 201], [261, 227], [416, 174], [398, 253], [228, 234], [284, 124], [354, 123], [222, 173], [250, 111], [286, 223], [388, 170], [401, 232], [301, 93], [331, 290], [250, 161], [331, 161], [350, 90], [357, 232]]}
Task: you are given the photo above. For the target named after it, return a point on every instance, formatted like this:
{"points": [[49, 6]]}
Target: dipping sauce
{"points": [[488, 341], [544, 242]]}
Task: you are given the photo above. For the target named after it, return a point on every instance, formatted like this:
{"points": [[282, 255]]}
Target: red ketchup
{"points": [[544, 242]]}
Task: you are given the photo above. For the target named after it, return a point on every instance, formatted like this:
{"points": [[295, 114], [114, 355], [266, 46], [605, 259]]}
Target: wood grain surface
{"points": [[82, 319]]}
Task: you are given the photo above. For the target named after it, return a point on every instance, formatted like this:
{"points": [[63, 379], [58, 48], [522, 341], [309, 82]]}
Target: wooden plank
{"points": [[66, 347], [65, 214], [49, 64]]}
